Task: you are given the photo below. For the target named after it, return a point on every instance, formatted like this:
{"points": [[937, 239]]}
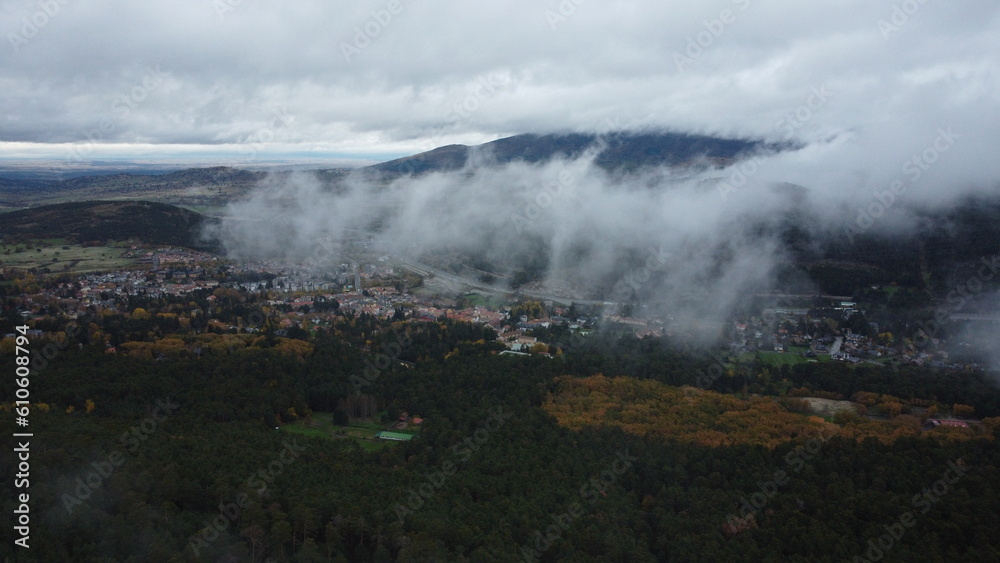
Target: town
{"points": [[298, 297]]}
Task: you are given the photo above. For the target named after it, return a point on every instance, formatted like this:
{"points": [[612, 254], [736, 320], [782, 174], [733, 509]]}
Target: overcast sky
{"points": [[372, 80]]}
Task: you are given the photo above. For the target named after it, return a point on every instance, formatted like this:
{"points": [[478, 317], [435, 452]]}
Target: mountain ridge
{"points": [[616, 151]]}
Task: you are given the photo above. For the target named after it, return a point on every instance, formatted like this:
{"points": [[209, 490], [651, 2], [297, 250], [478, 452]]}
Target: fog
{"points": [[688, 242]]}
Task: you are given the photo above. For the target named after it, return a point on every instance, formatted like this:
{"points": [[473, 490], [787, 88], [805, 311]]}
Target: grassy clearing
{"points": [[56, 257], [477, 299], [781, 358], [361, 431]]}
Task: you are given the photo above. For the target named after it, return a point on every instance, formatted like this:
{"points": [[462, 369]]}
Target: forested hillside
{"points": [[186, 446], [99, 221]]}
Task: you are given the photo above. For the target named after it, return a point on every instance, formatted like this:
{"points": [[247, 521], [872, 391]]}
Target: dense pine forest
{"points": [[154, 441]]}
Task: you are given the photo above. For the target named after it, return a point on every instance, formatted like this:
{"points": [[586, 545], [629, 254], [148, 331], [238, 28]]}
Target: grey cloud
{"points": [[755, 67], [602, 60]]}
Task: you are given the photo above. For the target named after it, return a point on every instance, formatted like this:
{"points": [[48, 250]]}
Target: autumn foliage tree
{"points": [[962, 411]]}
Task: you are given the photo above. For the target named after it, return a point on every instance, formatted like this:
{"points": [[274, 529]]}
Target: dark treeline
{"points": [[491, 475]]}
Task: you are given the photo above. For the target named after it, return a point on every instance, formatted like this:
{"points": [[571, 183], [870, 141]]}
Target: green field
{"points": [[476, 299], [55, 257], [361, 431], [782, 359]]}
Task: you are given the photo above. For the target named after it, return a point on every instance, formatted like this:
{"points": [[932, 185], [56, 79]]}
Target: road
{"points": [[458, 282]]}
